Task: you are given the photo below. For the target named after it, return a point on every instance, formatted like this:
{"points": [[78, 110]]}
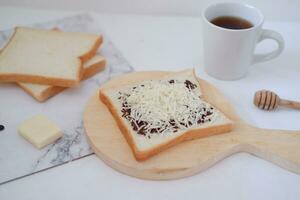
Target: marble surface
{"points": [[18, 157]]}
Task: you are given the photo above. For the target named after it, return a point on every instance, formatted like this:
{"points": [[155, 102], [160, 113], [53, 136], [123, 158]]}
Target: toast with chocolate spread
{"points": [[154, 115]]}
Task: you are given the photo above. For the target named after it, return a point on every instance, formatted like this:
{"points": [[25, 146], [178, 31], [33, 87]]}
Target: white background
{"points": [[173, 43], [273, 9]]}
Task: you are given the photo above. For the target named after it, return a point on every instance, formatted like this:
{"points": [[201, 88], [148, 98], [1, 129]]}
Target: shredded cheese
{"points": [[165, 106]]}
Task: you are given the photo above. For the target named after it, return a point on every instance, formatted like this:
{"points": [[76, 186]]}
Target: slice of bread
{"points": [[154, 115], [44, 92], [46, 56]]}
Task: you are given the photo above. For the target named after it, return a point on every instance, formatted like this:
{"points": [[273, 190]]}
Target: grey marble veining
{"points": [[19, 158]]}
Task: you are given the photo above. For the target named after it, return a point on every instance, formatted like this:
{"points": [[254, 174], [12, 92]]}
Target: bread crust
{"points": [[121, 125], [53, 90], [39, 80], [92, 52], [93, 69], [26, 78], [144, 155], [45, 94]]}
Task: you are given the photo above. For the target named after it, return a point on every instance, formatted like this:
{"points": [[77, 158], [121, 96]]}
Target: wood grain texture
{"points": [[190, 157], [290, 104]]}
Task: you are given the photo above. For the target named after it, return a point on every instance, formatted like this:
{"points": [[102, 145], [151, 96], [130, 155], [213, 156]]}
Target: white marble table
{"points": [[172, 43]]}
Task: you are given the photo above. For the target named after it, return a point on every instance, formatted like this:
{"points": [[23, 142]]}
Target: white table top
{"points": [[173, 43]]}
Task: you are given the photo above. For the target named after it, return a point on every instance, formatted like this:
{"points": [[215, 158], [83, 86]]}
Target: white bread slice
{"points": [[44, 92], [46, 56], [159, 99]]}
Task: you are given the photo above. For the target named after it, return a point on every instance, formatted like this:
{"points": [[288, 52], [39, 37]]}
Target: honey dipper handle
{"points": [[290, 104]]}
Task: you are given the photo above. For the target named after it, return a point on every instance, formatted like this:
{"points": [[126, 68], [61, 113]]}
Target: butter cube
{"points": [[39, 131]]}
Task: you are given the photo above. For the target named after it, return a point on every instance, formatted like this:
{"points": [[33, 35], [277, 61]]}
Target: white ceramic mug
{"points": [[228, 53]]}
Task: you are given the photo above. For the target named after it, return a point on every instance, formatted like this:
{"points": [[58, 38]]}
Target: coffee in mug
{"points": [[230, 34], [231, 22]]}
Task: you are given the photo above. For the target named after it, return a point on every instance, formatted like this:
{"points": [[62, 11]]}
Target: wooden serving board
{"points": [[188, 158]]}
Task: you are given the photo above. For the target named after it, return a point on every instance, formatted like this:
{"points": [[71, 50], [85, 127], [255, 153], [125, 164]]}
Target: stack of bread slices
{"points": [[45, 62]]}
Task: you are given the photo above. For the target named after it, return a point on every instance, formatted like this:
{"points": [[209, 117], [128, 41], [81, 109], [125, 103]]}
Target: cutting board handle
{"points": [[280, 147]]}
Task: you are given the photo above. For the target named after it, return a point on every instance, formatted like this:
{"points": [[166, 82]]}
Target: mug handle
{"points": [[269, 34]]}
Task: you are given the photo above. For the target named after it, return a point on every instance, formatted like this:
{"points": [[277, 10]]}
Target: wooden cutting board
{"points": [[188, 158]]}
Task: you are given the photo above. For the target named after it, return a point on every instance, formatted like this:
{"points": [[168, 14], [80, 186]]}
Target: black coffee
{"points": [[230, 22]]}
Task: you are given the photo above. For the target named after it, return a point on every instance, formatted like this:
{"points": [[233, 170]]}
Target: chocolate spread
{"points": [[139, 125]]}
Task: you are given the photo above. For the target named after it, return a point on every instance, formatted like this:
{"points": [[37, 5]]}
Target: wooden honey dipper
{"points": [[268, 100]]}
